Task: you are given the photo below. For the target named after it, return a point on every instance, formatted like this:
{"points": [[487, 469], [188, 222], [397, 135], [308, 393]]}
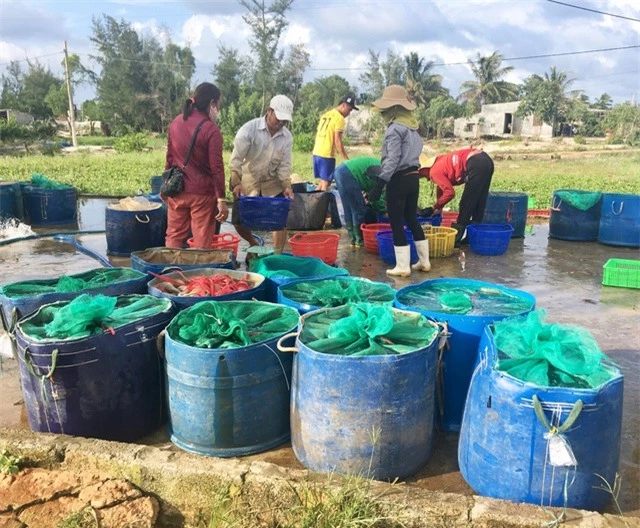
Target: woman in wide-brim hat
{"points": [[401, 149]]}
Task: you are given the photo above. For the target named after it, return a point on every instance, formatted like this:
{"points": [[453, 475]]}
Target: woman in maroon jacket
{"points": [[202, 200]]}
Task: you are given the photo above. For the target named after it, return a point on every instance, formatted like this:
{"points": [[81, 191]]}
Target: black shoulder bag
{"points": [[173, 177]]}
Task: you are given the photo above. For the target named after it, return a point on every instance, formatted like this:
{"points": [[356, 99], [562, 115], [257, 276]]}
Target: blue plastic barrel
{"points": [[9, 193], [370, 416], [317, 282], [503, 452], [156, 183], [507, 208], [105, 386], [163, 259], [228, 402], [460, 356], [257, 292], [570, 223], [620, 220], [129, 231], [30, 303], [49, 206]]}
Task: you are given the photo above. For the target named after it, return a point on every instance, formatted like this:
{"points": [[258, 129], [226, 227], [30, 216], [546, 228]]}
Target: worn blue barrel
{"points": [[507, 208], [503, 452], [460, 355], [129, 231], [163, 259], [571, 223], [156, 183], [620, 220], [257, 291], [105, 386], [385, 294], [369, 416], [228, 402], [9, 195], [135, 282], [49, 206]]}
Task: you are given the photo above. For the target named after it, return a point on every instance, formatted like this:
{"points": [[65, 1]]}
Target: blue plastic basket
{"points": [[385, 247], [262, 213], [489, 239], [434, 220]]}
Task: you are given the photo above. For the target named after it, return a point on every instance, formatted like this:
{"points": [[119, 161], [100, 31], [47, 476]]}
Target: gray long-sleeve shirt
{"points": [[401, 149]]}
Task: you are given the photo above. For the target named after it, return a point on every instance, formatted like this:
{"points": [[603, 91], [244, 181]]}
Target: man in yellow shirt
{"points": [[329, 140]]}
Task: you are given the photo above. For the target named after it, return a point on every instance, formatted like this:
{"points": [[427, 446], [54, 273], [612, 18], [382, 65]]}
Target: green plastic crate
{"points": [[621, 273]]}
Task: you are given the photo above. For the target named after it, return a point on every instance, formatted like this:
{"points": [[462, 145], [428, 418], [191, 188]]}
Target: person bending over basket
{"points": [[470, 166], [261, 163], [202, 201], [401, 148]]}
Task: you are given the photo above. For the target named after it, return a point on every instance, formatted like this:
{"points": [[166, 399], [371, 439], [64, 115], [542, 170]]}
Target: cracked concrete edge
{"points": [[189, 483]]}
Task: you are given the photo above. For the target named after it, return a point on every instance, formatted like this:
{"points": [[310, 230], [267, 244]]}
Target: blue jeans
{"points": [[351, 196]]}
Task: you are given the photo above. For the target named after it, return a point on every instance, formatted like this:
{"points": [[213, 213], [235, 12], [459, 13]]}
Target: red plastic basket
{"points": [[539, 212], [321, 245], [223, 241], [448, 218], [369, 232]]}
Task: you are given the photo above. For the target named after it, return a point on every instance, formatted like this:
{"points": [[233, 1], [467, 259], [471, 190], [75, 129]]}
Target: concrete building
{"points": [[500, 119], [22, 118]]}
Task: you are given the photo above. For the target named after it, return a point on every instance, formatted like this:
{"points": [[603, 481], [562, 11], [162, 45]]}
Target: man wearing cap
{"points": [[472, 167], [329, 140], [261, 163]]}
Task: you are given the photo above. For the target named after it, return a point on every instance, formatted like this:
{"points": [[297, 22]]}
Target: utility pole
{"points": [[72, 114]]}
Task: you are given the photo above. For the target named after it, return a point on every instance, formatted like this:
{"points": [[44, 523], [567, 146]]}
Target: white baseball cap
{"points": [[282, 106]]}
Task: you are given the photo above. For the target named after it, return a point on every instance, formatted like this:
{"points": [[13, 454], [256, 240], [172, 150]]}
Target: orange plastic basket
{"points": [[223, 241], [545, 213], [448, 218], [369, 232], [321, 245]]}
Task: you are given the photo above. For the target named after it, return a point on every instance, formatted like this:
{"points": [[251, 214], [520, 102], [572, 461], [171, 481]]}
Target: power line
{"points": [[594, 11], [32, 58]]}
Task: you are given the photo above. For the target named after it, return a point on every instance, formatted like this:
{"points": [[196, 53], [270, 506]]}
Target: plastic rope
{"points": [[555, 430], [42, 377], [284, 372]]}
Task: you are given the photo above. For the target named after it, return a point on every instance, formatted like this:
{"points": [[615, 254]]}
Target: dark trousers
{"points": [[476, 190], [402, 207]]}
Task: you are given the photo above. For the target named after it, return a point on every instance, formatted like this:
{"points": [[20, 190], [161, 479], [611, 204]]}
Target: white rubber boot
{"points": [[422, 246], [403, 262]]}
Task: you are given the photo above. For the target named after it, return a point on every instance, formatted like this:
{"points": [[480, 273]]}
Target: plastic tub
{"points": [[386, 248], [262, 213], [567, 222], [489, 239], [369, 232], [321, 245], [223, 241]]}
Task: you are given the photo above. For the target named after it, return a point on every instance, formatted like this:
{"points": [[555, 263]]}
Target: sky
{"points": [[339, 33]]}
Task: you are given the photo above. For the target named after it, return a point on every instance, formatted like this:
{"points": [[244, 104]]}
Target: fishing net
{"points": [[287, 266], [336, 292], [366, 329], [231, 324], [550, 354], [42, 182], [470, 299], [582, 200], [89, 315], [96, 278], [137, 203]]}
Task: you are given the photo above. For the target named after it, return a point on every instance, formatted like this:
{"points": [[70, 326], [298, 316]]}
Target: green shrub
{"points": [[131, 142], [579, 140], [303, 142]]}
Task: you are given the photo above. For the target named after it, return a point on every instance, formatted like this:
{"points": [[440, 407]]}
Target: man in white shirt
{"points": [[261, 162]]}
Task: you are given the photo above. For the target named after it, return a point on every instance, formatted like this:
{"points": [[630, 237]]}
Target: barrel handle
{"points": [[160, 340], [510, 209], [282, 348], [614, 211], [170, 269], [143, 221], [557, 429], [41, 377], [555, 207]]}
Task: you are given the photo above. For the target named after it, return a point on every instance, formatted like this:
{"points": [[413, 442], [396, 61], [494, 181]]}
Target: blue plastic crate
{"points": [[385, 247], [262, 213], [489, 239]]}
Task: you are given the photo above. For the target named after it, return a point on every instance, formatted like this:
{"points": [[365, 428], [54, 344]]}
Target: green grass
{"points": [[114, 174]]}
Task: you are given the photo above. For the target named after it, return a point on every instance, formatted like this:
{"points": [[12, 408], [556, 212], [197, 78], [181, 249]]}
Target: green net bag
{"points": [[582, 200], [328, 293], [287, 266], [87, 280], [89, 315], [550, 354], [365, 329], [231, 324], [42, 182]]}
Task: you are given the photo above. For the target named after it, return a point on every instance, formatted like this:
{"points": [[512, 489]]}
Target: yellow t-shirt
{"points": [[330, 123]]}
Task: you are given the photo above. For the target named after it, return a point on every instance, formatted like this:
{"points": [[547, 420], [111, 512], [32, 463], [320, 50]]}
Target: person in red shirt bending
{"points": [[202, 201], [471, 167]]}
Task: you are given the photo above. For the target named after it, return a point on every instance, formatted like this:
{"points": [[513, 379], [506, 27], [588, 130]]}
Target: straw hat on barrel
{"points": [[395, 95]]}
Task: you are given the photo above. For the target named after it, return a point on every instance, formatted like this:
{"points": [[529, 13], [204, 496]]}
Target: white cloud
{"points": [[297, 34]]}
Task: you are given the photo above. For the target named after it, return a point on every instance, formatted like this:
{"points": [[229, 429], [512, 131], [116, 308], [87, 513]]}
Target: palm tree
{"points": [[422, 85], [604, 102], [489, 86]]}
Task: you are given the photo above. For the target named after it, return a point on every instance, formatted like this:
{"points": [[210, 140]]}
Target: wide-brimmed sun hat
{"points": [[426, 162], [395, 95]]}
